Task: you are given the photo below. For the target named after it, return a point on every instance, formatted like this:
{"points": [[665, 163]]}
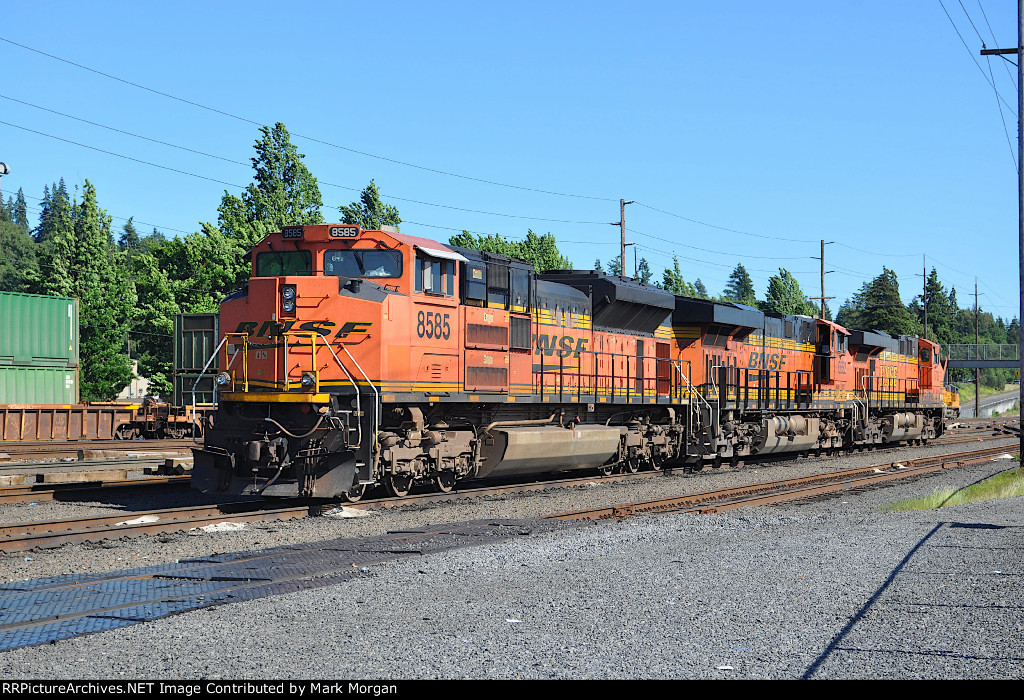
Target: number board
{"points": [[292, 232], [344, 232]]}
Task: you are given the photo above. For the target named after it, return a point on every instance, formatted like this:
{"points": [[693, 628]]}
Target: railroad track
{"points": [[786, 490], [89, 489], [53, 533], [90, 449]]}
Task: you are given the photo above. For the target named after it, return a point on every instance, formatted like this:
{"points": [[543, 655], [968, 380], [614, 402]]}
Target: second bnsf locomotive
{"points": [[361, 358]]}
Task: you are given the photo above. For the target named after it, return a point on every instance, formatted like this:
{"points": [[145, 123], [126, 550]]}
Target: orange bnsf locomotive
{"points": [[362, 358]]}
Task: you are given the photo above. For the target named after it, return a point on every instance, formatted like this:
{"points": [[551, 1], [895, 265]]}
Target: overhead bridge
{"points": [[982, 356]]}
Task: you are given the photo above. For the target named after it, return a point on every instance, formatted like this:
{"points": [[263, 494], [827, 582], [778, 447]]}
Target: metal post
{"points": [[622, 233], [977, 343], [1020, 197]]}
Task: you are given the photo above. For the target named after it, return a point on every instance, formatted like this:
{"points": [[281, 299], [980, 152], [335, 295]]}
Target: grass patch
{"points": [[1005, 485], [966, 390]]}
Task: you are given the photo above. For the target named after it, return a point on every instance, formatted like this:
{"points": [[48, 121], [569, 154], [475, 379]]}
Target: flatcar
{"points": [[356, 358]]}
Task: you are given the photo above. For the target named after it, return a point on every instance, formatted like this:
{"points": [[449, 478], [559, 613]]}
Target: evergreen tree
{"points": [[740, 287], [15, 211], [19, 268], [940, 307], [79, 261], [700, 289], [877, 306], [285, 192], [541, 251], [55, 214], [644, 273], [370, 213], [614, 266], [597, 266], [108, 299], [129, 239], [672, 280], [785, 296]]}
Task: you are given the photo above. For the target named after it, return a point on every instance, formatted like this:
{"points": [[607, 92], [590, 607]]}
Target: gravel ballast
{"points": [[829, 589]]}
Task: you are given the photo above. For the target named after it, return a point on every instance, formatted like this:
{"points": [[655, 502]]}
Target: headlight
{"points": [[308, 379], [288, 293], [223, 378], [288, 305]]}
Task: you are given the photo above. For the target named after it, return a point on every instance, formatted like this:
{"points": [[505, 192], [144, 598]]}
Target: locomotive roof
{"points": [[617, 303], [721, 312]]}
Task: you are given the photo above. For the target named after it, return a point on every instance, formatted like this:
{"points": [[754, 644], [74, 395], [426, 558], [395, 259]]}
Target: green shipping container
{"points": [[38, 331], [184, 383], [196, 336], [39, 385]]}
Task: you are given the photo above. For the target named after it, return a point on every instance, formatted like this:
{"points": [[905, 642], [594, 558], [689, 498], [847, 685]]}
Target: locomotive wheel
{"points": [[445, 481], [606, 469], [656, 462], [356, 493], [631, 465], [398, 484]]}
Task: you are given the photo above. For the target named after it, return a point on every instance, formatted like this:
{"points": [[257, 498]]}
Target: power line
{"points": [[309, 138], [723, 228], [210, 155], [971, 54]]}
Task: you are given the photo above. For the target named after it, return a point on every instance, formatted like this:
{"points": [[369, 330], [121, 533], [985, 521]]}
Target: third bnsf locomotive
{"points": [[361, 358]]}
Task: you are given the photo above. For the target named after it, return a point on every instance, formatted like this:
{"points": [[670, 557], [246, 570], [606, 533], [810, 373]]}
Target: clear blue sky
{"points": [[774, 124]]}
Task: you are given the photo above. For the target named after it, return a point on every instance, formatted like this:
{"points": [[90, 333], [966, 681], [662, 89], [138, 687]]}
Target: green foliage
{"points": [[941, 307], [370, 213], [541, 251], [740, 287], [672, 281], [203, 268], [19, 268], [284, 193], [56, 212], [1004, 485], [877, 306], [644, 273], [784, 296], [701, 290], [129, 239], [152, 322], [615, 266], [15, 211], [78, 260]]}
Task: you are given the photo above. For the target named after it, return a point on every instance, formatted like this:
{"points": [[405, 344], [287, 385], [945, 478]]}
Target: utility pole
{"points": [[924, 293], [1019, 50], [977, 342], [823, 273], [622, 231]]}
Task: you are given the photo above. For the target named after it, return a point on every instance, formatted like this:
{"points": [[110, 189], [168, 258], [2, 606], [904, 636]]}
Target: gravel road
{"points": [[829, 589]]}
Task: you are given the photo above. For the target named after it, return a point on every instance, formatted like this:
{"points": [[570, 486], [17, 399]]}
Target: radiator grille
{"points": [[479, 335], [486, 378]]}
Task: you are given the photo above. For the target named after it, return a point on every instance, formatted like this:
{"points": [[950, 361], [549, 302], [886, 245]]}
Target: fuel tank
{"points": [[549, 448], [787, 434], [902, 426]]}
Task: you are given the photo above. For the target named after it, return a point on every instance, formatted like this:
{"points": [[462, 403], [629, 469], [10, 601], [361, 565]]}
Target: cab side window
{"points": [[434, 276]]}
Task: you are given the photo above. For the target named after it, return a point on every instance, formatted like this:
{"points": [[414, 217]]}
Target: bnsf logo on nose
{"points": [[563, 346], [273, 329]]}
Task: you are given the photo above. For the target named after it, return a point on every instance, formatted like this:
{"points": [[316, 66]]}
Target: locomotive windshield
{"points": [[363, 263], [279, 264]]}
